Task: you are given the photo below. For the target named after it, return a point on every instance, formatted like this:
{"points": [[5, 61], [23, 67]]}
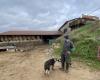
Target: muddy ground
{"points": [[29, 66]]}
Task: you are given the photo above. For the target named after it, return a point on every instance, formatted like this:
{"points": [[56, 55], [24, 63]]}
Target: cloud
{"points": [[42, 15], [18, 28]]}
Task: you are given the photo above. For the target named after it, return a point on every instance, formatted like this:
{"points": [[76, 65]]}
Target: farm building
{"points": [[28, 35], [26, 39], [90, 18], [77, 22], [72, 24]]}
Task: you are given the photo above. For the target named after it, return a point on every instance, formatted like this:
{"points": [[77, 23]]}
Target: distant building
{"points": [[77, 22], [90, 18], [72, 24]]}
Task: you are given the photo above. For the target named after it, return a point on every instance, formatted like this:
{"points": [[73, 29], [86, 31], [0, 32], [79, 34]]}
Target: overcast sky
{"points": [[42, 14]]}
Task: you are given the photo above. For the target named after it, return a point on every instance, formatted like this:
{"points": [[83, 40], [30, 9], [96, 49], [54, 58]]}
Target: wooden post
{"points": [[6, 38], [32, 37], [24, 38], [98, 55], [2, 38]]}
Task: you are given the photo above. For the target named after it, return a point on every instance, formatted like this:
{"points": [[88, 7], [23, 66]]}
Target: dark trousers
{"points": [[65, 61]]}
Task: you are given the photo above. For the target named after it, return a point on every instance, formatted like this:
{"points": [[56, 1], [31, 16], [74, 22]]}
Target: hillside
{"points": [[86, 40]]}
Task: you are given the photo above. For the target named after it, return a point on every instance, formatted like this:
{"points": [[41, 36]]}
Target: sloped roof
{"points": [[67, 23], [31, 33], [63, 25]]}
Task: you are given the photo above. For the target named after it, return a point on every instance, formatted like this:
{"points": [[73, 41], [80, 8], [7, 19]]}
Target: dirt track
{"points": [[29, 66]]}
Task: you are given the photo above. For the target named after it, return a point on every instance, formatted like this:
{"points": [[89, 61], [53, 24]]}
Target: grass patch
{"points": [[86, 44]]}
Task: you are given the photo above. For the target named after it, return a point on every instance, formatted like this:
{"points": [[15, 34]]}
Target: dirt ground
{"points": [[29, 66]]}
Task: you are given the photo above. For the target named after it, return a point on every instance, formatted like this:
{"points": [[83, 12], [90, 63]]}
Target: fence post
{"points": [[98, 54]]}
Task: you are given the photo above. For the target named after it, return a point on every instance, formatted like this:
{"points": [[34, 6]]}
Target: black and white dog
{"points": [[49, 64]]}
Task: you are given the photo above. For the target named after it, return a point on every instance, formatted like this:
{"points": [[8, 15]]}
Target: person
{"points": [[65, 54]]}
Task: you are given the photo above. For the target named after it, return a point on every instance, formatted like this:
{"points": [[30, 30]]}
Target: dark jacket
{"points": [[68, 45]]}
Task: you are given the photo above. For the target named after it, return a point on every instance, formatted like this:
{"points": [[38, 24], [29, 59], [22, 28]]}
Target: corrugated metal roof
{"points": [[31, 33]]}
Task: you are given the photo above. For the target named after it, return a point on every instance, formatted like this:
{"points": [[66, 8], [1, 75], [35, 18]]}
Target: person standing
{"points": [[65, 54]]}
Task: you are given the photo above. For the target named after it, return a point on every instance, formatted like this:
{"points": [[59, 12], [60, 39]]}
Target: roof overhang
{"points": [[31, 33]]}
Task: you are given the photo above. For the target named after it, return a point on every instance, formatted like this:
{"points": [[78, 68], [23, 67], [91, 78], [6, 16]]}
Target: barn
{"points": [[26, 39]]}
